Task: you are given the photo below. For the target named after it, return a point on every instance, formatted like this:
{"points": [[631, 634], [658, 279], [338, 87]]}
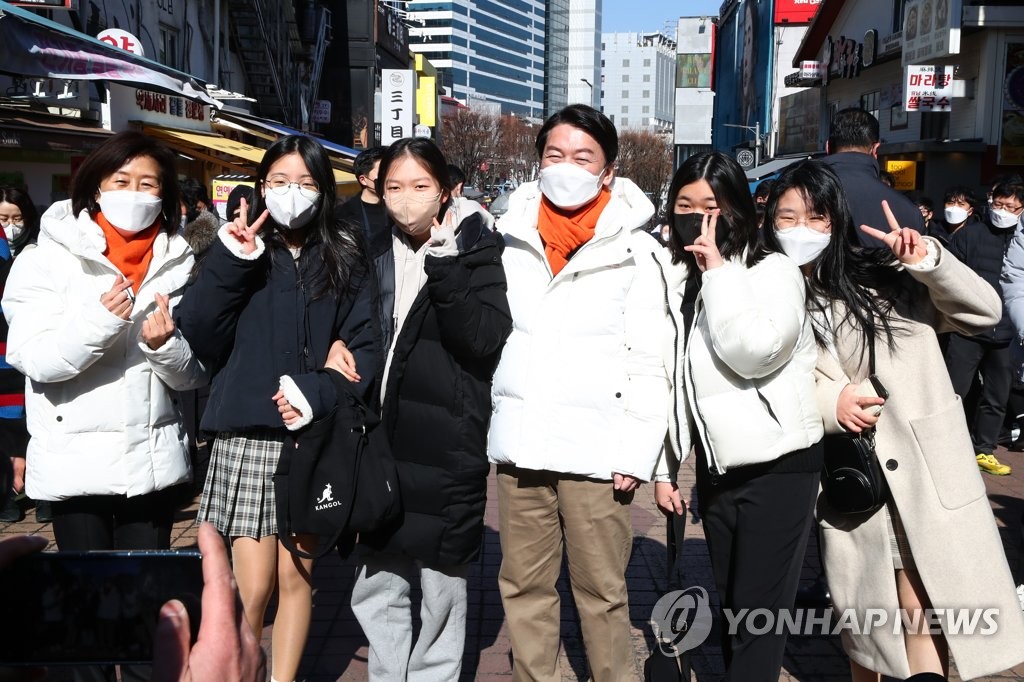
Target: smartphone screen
{"points": [[93, 607]]}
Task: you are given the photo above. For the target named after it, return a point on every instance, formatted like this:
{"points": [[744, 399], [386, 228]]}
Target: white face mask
{"points": [[413, 215], [13, 230], [290, 206], [802, 244], [1002, 219], [128, 211], [569, 186], [955, 215]]}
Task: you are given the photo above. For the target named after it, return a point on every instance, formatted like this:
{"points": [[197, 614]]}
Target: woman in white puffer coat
{"points": [[90, 328], [748, 393]]}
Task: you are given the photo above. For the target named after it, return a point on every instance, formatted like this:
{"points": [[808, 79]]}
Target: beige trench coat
{"points": [[928, 460]]}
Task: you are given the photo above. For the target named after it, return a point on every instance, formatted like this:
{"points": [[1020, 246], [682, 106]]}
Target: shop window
{"points": [[869, 102], [168, 47], [897, 14], [935, 125]]}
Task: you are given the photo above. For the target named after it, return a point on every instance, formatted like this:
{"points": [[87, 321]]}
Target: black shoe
{"points": [[814, 595], [11, 512], [44, 512]]}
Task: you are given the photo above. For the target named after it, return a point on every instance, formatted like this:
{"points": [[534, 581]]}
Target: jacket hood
{"points": [[83, 237], [629, 208]]}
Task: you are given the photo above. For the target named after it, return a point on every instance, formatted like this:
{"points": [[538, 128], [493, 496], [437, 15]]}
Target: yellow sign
{"points": [[905, 173]]}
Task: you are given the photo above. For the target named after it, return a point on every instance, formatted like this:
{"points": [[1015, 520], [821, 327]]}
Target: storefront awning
{"points": [[275, 129], [772, 168], [205, 146], [40, 48]]}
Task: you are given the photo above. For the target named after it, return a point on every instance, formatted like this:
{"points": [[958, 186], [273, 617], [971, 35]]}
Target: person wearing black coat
{"points": [[982, 246], [445, 317], [264, 312], [852, 145]]}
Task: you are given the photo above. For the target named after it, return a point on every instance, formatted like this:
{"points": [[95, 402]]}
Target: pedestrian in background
{"points": [[444, 319], [277, 288], [20, 222], [366, 208], [580, 394], [852, 148], [888, 304], [199, 224], [748, 392], [89, 311], [982, 246]]}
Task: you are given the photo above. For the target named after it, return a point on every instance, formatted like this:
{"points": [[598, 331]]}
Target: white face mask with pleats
{"points": [[130, 212]]}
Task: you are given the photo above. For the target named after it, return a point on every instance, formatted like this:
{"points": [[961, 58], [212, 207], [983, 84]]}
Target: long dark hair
{"points": [[109, 157], [427, 155], [29, 217], [737, 225], [866, 281], [344, 255]]}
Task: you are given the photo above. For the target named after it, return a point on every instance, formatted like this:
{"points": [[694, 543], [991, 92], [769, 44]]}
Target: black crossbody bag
{"points": [[852, 477]]}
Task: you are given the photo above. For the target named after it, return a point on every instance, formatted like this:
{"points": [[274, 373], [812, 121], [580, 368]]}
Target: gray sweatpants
{"points": [[381, 603]]}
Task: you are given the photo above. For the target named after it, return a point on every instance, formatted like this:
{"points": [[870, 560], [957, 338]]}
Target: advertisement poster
{"points": [[905, 173], [1011, 139], [931, 29], [222, 188], [928, 88], [693, 70]]}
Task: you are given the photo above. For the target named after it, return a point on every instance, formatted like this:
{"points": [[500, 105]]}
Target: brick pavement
{"points": [[337, 649]]}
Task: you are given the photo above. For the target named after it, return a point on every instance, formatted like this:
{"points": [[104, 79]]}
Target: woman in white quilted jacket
{"points": [[91, 329], [748, 394]]}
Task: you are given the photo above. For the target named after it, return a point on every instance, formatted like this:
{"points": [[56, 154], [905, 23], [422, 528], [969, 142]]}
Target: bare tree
{"points": [[646, 159], [470, 140]]}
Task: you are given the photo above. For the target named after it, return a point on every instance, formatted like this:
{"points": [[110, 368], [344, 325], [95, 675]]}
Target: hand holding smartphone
{"points": [[79, 608], [872, 387]]}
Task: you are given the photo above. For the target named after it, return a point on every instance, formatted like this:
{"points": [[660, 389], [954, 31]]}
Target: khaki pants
{"points": [[539, 512]]}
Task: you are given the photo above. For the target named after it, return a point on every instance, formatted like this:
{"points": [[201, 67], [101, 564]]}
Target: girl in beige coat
{"points": [[935, 544]]}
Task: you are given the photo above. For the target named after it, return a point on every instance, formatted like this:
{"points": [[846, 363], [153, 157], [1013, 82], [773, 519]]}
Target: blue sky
{"points": [[651, 15]]}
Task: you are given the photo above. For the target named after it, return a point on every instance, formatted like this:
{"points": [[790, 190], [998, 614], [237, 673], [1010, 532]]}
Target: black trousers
{"points": [[965, 358], [756, 528], [115, 522]]}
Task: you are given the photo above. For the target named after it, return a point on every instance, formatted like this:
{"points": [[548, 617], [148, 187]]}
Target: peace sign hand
{"points": [[905, 242], [158, 325], [245, 233], [704, 247]]}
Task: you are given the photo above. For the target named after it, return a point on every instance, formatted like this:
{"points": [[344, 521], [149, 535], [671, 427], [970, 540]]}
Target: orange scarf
{"points": [[131, 255], [565, 231]]}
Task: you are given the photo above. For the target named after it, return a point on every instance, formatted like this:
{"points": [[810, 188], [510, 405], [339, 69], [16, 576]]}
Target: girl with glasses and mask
{"points": [[89, 311], [747, 390], [444, 318], [280, 284], [899, 557]]}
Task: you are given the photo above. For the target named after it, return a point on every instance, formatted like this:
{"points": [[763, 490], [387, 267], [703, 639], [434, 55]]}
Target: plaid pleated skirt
{"points": [[238, 496], [901, 556]]}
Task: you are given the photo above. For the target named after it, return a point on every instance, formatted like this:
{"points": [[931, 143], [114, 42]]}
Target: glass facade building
{"points": [[485, 49], [556, 58]]}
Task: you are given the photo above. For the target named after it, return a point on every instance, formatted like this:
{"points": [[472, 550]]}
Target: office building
{"points": [[638, 80], [585, 52]]}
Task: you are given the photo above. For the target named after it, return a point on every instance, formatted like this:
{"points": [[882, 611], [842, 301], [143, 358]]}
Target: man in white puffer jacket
{"points": [[581, 394]]}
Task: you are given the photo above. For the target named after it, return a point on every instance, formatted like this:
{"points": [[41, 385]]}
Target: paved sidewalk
{"points": [[337, 649]]}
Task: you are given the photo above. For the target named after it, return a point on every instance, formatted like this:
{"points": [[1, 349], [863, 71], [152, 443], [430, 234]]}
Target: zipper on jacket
{"points": [[675, 347], [712, 463]]}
